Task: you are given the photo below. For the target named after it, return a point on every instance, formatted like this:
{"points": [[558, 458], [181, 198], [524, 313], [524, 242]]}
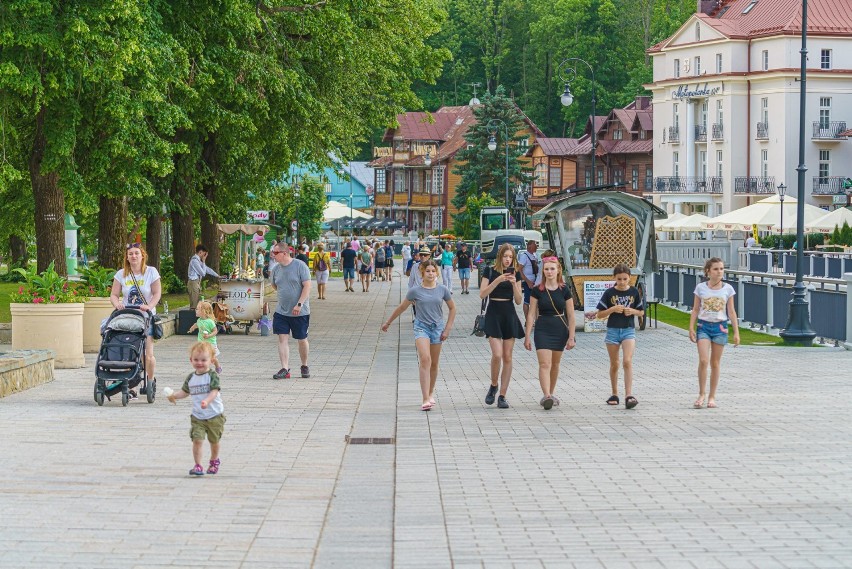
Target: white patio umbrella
{"points": [[690, 223], [664, 224], [828, 222], [766, 214], [335, 210]]}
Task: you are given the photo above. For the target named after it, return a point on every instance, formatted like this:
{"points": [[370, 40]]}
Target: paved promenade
{"points": [[763, 481]]}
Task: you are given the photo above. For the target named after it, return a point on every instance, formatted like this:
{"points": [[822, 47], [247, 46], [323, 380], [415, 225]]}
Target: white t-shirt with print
{"points": [[714, 302], [129, 293]]}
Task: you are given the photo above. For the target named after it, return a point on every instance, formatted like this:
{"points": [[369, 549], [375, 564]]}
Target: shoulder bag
{"points": [[157, 327], [479, 322]]}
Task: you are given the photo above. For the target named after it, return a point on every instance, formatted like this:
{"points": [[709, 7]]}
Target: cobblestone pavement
{"points": [[762, 481]]}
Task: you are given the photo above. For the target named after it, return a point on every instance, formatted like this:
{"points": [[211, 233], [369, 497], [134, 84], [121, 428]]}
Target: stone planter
{"points": [[57, 327], [96, 309]]}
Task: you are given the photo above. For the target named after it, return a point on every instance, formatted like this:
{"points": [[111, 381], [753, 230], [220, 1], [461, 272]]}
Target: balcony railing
{"points": [[827, 185], [687, 185], [700, 133], [829, 130], [763, 131], [754, 185], [674, 134], [718, 131]]}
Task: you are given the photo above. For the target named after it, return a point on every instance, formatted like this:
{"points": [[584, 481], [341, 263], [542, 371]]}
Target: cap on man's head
{"points": [[425, 251]]}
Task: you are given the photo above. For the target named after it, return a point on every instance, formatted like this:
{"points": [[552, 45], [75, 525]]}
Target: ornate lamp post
{"points": [[781, 191], [798, 329], [567, 75], [493, 126]]}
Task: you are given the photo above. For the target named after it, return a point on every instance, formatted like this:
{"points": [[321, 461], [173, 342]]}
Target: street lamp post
{"points": [[567, 75], [296, 191], [798, 330], [781, 191], [492, 126]]}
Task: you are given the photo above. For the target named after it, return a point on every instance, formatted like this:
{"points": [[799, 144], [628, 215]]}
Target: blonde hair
{"points": [[206, 308], [498, 261], [205, 347]]}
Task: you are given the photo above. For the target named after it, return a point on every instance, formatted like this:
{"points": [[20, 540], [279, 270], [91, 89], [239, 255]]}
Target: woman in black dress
{"points": [[501, 284], [552, 311]]}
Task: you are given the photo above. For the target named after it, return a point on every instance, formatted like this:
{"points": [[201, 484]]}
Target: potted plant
{"points": [[97, 285], [47, 313]]}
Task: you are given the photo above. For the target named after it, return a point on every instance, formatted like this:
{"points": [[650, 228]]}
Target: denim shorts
{"points": [[716, 332], [348, 273], [464, 274], [616, 336], [430, 331]]}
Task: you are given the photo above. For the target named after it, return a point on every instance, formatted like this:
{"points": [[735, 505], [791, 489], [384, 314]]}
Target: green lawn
{"points": [[748, 337]]}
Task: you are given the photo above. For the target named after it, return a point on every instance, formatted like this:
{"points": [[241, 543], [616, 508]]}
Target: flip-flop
{"points": [[613, 400], [630, 402], [711, 405], [432, 402], [698, 403], [426, 407]]}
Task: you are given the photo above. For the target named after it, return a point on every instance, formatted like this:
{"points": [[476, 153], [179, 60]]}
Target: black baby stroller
{"points": [[121, 359]]}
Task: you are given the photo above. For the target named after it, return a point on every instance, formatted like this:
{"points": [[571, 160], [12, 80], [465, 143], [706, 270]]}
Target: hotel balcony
{"points": [[687, 185], [829, 130], [718, 132], [674, 134], [754, 185], [700, 133], [828, 185], [762, 131]]}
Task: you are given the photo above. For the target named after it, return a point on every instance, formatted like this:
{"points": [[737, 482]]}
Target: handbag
{"points": [[157, 322], [479, 321]]}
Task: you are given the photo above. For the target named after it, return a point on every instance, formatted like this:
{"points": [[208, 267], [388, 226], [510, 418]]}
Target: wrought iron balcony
{"points": [[700, 133], [829, 130], [754, 185], [687, 185], [718, 132], [674, 134], [763, 131], [828, 185]]}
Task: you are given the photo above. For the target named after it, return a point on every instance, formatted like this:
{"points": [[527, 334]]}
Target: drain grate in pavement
{"points": [[369, 440]]}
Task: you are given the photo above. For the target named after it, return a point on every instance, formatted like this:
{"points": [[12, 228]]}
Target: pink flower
{"points": [[52, 298], [21, 290], [65, 286], [38, 300]]}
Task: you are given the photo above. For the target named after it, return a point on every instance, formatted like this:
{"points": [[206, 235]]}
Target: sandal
{"points": [[214, 467], [426, 407], [613, 400], [711, 405], [630, 402], [698, 402]]}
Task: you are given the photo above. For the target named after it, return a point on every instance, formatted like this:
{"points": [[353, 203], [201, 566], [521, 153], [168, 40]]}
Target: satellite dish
{"points": [[473, 102]]}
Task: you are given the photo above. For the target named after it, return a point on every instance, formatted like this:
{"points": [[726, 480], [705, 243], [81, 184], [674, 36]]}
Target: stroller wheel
{"points": [[99, 396], [151, 390], [125, 398]]}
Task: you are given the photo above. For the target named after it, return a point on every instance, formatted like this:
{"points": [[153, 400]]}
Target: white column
{"points": [[688, 138]]}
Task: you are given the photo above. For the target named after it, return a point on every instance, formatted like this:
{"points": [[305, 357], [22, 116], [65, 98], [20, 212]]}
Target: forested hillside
{"points": [[520, 43]]}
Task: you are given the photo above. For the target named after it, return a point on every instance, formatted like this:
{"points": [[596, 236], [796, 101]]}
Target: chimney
{"points": [[642, 103], [708, 6]]}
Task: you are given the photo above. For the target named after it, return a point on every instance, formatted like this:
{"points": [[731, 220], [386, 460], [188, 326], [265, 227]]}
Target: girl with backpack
{"points": [[366, 257], [322, 268], [380, 259]]}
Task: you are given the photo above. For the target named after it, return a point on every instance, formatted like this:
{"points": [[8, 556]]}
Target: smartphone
{"points": [[509, 271]]}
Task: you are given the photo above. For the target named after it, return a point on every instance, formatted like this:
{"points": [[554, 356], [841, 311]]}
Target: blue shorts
{"points": [[349, 273], [430, 331], [296, 326], [616, 336], [716, 332], [526, 290], [464, 274]]}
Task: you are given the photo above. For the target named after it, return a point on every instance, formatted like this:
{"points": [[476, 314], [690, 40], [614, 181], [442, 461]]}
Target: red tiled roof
{"points": [[626, 116], [646, 119], [380, 162], [422, 126], [625, 146], [558, 146]]}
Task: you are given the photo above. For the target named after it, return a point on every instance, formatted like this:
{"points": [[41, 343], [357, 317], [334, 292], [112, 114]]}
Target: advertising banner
{"points": [[592, 293]]}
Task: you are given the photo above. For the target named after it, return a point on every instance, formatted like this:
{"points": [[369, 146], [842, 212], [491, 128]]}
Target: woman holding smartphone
{"points": [[501, 284]]}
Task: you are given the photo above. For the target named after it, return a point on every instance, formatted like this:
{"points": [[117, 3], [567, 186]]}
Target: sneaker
{"points": [[546, 402], [132, 394], [502, 403], [489, 397], [305, 371], [283, 373], [213, 468], [198, 470]]}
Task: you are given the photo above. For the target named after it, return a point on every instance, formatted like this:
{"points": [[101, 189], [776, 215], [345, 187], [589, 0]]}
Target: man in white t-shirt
{"points": [[530, 264]]}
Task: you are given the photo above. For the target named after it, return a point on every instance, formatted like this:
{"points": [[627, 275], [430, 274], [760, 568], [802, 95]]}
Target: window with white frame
{"points": [[702, 164], [676, 164], [719, 163], [824, 166], [438, 180], [328, 187], [642, 134], [649, 178], [698, 65], [719, 112], [764, 60], [555, 176], [381, 187], [825, 59], [600, 176], [416, 182], [718, 63], [676, 116], [634, 178], [764, 109], [540, 178], [588, 176], [764, 163], [427, 186], [437, 218], [697, 32], [824, 111], [523, 143], [704, 114], [617, 134], [399, 181], [677, 68]]}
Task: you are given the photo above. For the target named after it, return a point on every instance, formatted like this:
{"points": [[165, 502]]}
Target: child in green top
{"points": [[207, 330]]}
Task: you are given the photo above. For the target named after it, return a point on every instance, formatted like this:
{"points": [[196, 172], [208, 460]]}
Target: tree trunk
{"points": [[20, 256], [49, 205], [153, 236], [209, 233], [112, 231], [183, 227]]}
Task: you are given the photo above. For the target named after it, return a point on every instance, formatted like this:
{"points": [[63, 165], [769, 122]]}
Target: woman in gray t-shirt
{"points": [[429, 328]]}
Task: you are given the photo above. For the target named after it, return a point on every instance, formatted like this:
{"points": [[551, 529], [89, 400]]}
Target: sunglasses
{"points": [[134, 245], [277, 252]]}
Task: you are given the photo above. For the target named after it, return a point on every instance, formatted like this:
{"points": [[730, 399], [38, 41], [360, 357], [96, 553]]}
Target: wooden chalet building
{"points": [[414, 180]]}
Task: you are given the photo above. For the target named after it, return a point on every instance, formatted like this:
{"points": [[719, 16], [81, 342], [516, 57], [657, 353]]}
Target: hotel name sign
{"points": [[684, 92]]}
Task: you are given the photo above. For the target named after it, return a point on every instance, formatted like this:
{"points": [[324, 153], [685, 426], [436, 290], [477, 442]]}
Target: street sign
{"points": [[294, 225], [259, 215]]}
